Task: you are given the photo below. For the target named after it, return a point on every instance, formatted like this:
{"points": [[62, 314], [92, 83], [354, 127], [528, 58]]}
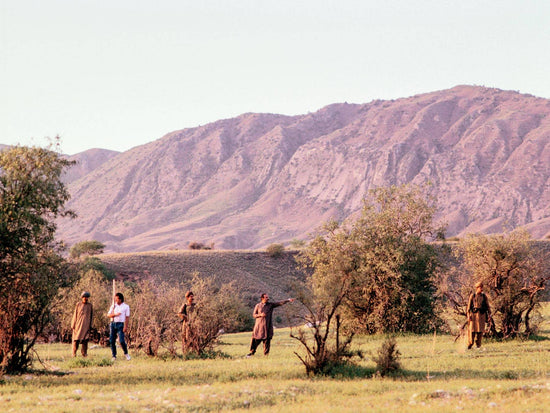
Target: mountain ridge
{"points": [[248, 181]]}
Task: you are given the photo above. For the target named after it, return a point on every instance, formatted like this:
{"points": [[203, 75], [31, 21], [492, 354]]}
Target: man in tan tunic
{"points": [[81, 324], [263, 328], [478, 313]]}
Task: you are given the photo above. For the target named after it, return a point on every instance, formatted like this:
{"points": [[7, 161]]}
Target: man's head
{"points": [[190, 297], [479, 287], [85, 296], [264, 297], [119, 298]]}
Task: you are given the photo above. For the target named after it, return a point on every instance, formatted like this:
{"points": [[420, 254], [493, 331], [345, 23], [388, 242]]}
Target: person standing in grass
{"points": [[119, 314], [81, 324], [186, 310], [263, 327], [478, 313]]}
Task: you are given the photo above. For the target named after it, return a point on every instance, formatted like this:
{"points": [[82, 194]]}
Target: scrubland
{"points": [[438, 374]]}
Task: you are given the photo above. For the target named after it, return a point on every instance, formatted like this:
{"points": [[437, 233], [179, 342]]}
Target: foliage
{"points": [[297, 244], [393, 287], [387, 357], [330, 265], [153, 321], [86, 248], [194, 245], [275, 250], [217, 310], [94, 263], [514, 273], [96, 284], [32, 270]]}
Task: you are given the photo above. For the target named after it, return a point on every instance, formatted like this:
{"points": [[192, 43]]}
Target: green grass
{"points": [[439, 375]]}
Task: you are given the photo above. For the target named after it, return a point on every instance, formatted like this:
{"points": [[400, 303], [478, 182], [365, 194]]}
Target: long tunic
{"points": [[263, 328], [478, 311], [82, 321]]}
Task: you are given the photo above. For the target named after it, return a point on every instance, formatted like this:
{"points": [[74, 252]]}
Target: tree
{"points": [[374, 274], [330, 262], [86, 248], [514, 272], [394, 286], [32, 270]]}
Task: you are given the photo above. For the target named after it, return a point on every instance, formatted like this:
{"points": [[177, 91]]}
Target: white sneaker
{"points": [[128, 357], [113, 359]]}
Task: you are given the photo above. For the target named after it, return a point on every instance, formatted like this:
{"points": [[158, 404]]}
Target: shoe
{"points": [[113, 359], [249, 354], [469, 346], [128, 357]]}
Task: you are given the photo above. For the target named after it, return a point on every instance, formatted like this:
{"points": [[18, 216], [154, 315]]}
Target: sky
{"points": [[116, 74]]}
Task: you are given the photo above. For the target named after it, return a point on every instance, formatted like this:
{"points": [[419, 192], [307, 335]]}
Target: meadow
{"points": [[439, 375]]}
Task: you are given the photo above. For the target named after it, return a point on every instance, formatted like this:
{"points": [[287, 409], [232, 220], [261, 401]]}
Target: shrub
{"points": [[275, 250], [387, 357]]}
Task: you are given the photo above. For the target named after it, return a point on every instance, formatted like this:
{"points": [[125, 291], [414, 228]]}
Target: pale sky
{"points": [[115, 74]]}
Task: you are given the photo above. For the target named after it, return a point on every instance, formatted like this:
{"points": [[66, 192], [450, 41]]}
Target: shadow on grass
{"points": [[412, 375]]}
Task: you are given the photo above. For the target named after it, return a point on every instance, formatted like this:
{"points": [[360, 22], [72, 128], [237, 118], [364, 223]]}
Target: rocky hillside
{"points": [[261, 178]]}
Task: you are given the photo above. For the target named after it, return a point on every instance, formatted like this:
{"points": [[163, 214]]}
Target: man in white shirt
{"points": [[119, 314]]}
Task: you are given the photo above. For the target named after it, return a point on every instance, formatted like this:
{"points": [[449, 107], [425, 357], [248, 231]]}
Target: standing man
{"points": [[478, 314], [119, 313], [186, 310], [81, 324], [263, 328]]}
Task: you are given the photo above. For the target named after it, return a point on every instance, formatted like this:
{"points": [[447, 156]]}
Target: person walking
{"points": [[119, 313], [263, 327], [478, 313], [81, 324]]}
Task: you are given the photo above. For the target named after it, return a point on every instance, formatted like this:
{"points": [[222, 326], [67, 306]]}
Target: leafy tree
{"points": [[394, 284], [32, 270], [514, 272], [374, 274], [86, 248]]}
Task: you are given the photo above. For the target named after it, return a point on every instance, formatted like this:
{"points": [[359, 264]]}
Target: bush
{"points": [[387, 358], [275, 250]]}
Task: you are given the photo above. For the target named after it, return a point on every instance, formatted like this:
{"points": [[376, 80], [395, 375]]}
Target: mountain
{"points": [[256, 179], [86, 162]]}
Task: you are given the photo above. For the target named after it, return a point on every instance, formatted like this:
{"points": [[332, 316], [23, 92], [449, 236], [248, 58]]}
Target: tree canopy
{"points": [[32, 270]]}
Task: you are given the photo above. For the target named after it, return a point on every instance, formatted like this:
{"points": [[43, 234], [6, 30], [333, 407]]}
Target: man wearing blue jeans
{"points": [[119, 314]]}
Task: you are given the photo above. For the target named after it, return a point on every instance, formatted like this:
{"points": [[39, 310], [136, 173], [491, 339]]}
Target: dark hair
{"points": [[188, 294], [263, 295], [119, 295]]}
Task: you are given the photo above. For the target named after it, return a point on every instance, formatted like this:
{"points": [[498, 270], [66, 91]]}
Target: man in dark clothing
{"points": [[185, 312], [263, 328], [478, 313]]}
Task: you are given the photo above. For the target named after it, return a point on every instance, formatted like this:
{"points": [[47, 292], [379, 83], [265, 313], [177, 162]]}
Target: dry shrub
{"points": [[97, 285], [275, 250], [387, 357], [153, 321], [217, 310]]}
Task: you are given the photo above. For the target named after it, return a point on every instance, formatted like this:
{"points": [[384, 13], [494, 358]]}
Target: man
{"points": [[81, 324], [185, 312], [478, 313], [263, 327], [119, 313]]}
